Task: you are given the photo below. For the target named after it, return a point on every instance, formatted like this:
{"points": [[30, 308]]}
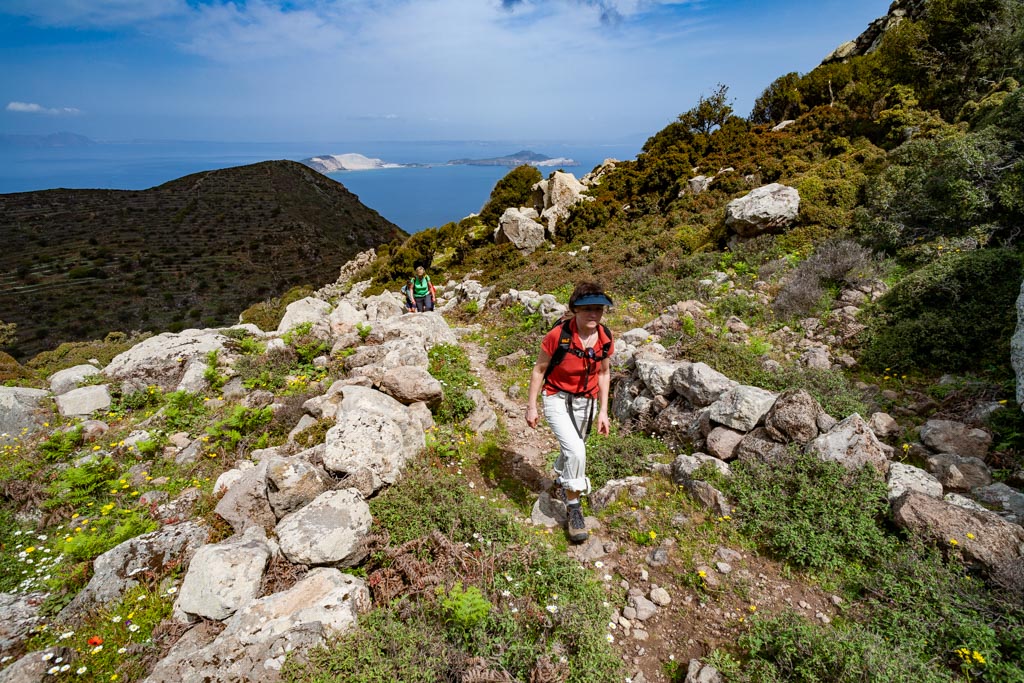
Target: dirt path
{"points": [[526, 449]]}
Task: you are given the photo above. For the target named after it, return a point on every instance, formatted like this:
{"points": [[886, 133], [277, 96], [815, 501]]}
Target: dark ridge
{"points": [[193, 252]]}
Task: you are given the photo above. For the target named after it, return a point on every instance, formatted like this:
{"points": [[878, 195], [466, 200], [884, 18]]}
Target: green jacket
{"points": [[419, 287]]}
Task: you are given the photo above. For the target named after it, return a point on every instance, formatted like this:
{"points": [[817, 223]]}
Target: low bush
{"points": [[620, 454], [267, 315], [450, 365], [71, 354], [835, 263], [812, 513], [955, 314]]}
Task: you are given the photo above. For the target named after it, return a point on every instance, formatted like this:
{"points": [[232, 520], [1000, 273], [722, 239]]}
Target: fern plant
{"points": [[465, 608]]}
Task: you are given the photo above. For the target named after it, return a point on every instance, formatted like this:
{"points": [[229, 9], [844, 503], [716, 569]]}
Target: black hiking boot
{"points": [[575, 524]]}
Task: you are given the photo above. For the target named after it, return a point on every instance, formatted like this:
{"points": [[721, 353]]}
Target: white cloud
{"points": [[33, 108]]}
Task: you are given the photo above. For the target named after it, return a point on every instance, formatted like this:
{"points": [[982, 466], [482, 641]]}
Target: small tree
{"points": [[710, 112]]}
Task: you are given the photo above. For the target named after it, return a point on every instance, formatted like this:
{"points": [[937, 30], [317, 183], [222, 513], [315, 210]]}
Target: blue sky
{"points": [[328, 70]]}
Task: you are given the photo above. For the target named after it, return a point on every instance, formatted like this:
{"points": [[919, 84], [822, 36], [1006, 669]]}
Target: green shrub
{"points": [[834, 263], [812, 513], [427, 499], [184, 411], [789, 648], [306, 344], [77, 486], [619, 455], [511, 191], [71, 354], [450, 365], [267, 315], [955, 314]]}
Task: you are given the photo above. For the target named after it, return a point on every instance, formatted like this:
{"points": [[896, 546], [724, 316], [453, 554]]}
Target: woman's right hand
{"points": [[531, 415]]}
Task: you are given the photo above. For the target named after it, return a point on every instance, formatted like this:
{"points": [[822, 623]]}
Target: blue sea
{"points": [[413, 198]]}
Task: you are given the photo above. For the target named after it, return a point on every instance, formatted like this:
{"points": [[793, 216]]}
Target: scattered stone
{"points": [[947, 436]]}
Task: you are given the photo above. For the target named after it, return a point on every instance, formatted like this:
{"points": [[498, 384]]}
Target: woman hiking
{"points": [[574, 371], [421, 289]]}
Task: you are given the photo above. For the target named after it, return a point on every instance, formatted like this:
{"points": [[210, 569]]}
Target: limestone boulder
{"points": [[959, 473], [65, 380], [700, 383], [685, 465], [518, 227], [21, 412], [1008, 502], [883, 425], [245, 503], [19, 616], [328, 531], [293, 483], [903, 477], [353, 398], [412, 384], [344, 318], [657, 374], [634, 487], [161, 360], [708, 497], [852, 444], [742, 407], [984, 538], [84, 401], [308, 310], [757, 445], [721, 442], [560, 193], [793, 417], [766, 208], [257, 639], [429, 328], [947, 436], [224, 577], [366, 440], [483, 419]]}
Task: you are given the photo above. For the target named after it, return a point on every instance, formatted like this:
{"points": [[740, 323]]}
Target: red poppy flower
{"points": [[94, 641]]}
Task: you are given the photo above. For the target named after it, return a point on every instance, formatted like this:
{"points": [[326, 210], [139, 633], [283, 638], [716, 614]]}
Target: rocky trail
{"points": [[664, 623]]}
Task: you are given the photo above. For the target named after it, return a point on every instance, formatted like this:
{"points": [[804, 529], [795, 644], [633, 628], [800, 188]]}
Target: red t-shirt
{"points": [[574, 374]]}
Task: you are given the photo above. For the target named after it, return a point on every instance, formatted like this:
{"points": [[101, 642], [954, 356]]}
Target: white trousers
{"points": [[571, 464]]}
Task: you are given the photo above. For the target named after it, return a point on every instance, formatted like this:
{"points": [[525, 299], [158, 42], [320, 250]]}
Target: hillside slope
{"points": [[79, 263]]}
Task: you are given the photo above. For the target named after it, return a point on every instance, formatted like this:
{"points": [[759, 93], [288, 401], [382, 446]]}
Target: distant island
{"points": [[328, 163], [43, 141], [518, 159]]}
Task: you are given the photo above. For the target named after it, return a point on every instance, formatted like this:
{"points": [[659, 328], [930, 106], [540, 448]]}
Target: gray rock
{"points": [[224, 577], [308, 310], [660, 597], [84, 401], [904, 477], [161, 360], [258, 638], [742, 407], [483, 419], [246, 503], [793, 417], [994, 544], [1017, 348], [708, 497], [21, 412], [758, 446], [700, 384], [722, 442], [657, 374], [328, 531], [705, 673], [63, 381], [883, 425], [645, 609], [410, 384], [366, 440], [636, 487], [959, 473], [1008, 502], [946, 436], [684, 466], [19, 616], [293, 483], [519, 228], [769, 207], [852, 444]]}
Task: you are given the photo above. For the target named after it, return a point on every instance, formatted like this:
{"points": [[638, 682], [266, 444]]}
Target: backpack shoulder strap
{"points": [[564, 341], [606, 347]]}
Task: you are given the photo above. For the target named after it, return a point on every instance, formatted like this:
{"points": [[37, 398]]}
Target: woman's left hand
{"points": [[603, 425]]}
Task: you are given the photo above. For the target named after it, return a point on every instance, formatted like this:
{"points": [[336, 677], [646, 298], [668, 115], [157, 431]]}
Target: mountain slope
{"points": [[192, 251]]}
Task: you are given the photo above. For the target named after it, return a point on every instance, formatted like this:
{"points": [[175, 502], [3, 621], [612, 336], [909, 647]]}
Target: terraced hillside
{"points": [[195, 251]]}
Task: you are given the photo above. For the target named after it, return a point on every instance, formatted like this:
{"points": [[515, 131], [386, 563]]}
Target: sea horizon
{"points": [[413, 197]]}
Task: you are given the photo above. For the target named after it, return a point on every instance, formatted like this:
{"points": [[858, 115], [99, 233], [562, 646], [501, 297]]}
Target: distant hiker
{"points": [[410, 303], [574, 370], [422, 290]]}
